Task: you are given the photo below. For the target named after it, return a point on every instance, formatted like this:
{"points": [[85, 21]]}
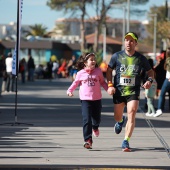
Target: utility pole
{"points": [[104, 42], [124, 24], [155, 31], [124, 7], [128, 15]]}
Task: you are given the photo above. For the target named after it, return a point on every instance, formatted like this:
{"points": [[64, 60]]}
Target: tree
{"points": [[101, 19], [101, 7], [72, 6], [37, 30], [163, 25]]}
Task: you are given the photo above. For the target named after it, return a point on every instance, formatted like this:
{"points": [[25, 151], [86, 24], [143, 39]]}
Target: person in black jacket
{"points": [[2, 72], [31, 68]]}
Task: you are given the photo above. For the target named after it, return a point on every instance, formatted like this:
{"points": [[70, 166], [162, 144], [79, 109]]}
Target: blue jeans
{"points": [[91, 112], [31, 74], [165, 88]]}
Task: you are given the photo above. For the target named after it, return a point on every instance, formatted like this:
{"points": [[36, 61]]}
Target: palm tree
{"points": [[37, 30]]}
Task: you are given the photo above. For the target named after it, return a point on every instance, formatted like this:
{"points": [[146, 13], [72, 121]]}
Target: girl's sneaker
{"points": [[88, 144], [96, 132]]}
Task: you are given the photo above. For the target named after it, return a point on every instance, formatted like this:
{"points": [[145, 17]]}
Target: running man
{"points": [[125, 88]]}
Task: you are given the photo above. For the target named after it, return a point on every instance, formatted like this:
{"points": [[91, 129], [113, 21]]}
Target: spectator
{"points": [[31, 68], [49, 69], [166, 84], [150, 93], [62, 70], [2, 71], [4, 75], [10, 77], [22, 69], [160, 72], [71, 67], [55, 68]]}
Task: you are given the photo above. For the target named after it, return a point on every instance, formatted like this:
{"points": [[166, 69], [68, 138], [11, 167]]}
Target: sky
{"points": [[37, 12]]}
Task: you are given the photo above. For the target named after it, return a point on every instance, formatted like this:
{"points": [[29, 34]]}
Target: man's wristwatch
{"points": [[150, 79]]}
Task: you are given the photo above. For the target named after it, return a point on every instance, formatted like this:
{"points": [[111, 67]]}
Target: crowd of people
{"points": [[28, 71], [7, 79]]}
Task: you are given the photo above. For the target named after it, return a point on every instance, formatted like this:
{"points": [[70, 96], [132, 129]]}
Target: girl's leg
{"points": [[152, 106], [87, 123], [148, 103], [96, 113]]}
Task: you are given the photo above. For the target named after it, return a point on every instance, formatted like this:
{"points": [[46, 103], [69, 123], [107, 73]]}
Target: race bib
{"points": [[127, 81]]}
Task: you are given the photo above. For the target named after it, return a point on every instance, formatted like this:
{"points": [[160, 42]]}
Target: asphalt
{"points": [[41, 128]]}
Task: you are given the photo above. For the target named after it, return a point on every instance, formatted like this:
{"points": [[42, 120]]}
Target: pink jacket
{"points": [[90, 84]]}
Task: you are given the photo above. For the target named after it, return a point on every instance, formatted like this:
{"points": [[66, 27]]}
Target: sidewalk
{"points": [[48, 133]]}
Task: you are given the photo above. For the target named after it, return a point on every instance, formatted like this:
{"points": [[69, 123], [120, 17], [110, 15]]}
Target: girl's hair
{"points": [[83, 59]]}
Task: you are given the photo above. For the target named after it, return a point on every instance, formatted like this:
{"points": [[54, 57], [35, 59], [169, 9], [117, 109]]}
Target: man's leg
{"points": [[118, 115], [132, 107], [118, 111]]}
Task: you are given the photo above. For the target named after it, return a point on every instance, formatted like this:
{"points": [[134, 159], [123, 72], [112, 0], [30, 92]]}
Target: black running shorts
{"points": [[124, 99]]}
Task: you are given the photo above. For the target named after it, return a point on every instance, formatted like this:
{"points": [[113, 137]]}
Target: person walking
{"points": [[49, 70], [10, 77], [150, 94], [2, 71], [127, 64], [31, 68], [22, 69], [72, 71], [90, 79], [160, 71], [166, 85], [4, 77], [55, 68]]}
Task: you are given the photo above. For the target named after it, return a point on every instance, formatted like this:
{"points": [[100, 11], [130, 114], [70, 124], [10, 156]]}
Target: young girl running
{"points": [[90, 79]]}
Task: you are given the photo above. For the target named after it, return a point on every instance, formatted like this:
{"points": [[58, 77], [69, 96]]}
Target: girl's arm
{"points": [[73, 86]]}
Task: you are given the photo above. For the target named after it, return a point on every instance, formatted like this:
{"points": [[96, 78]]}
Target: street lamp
{"points": [[155, 31]]}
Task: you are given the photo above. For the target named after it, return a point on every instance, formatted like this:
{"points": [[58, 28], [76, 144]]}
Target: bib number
{"points": [[127, 81]]}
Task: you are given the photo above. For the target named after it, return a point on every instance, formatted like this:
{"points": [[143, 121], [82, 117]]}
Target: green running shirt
{"points": [[128, 69]]}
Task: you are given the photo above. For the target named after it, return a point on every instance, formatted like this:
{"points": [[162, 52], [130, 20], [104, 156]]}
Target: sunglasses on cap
{"points": [[133, 35]]}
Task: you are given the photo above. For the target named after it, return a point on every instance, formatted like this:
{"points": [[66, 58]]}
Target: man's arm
{"points": [[111, 90], [150, 73], [149, 81], [109, 74]]}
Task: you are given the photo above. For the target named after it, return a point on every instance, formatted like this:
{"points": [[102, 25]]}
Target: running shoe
{"points": [[88, 144], [118, 126], [149, 114], [125, 146], [158, 113], [96, 132]]}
